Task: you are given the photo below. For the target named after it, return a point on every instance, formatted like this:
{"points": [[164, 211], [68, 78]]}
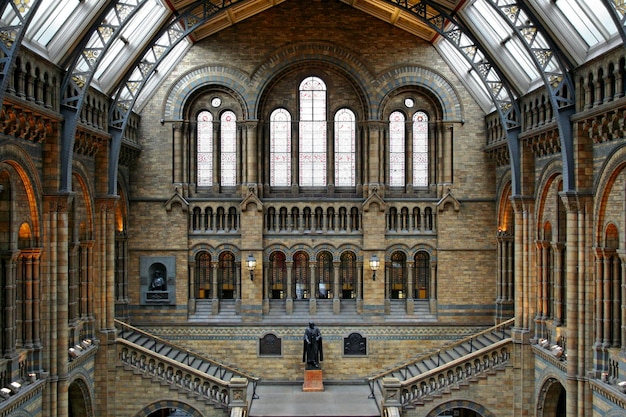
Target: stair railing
{"points": [[376, 379], [455, 372], [189, 357]]}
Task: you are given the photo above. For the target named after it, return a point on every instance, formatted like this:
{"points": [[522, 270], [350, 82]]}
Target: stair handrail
{"points": [[469, 339], [223, 368], [455, 372], [176, 374]]}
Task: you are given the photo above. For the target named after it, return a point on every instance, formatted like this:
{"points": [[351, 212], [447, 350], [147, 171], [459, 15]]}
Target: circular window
{"points": [[216, 102], [409, 102]]}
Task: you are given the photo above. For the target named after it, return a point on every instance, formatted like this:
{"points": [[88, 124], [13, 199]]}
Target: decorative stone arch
{"points": [[202, 247], [164, 404], [348, 247], [548, 395], [21, 162], [80, 395], [276, 248], [397, 248], [229, 79], [422, 247], [467, 404], [300, 247], [78, 179], [434, 83], [326, 247], [329, 54], [551, 173], [228, 248], [613, 167]]}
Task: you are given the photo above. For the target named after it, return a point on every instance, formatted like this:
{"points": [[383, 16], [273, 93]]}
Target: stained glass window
{"points": [[280, 148], [396, 149], [205, 149], [345, 151], [420, 149], [312, 152], [228, 154]]}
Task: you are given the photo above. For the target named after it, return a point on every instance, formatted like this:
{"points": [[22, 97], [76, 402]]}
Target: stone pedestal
{"points": [[313, 381]]}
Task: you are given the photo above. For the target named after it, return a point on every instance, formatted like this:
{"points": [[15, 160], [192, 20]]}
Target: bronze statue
{"points": [[158, 282], [312, 353]]}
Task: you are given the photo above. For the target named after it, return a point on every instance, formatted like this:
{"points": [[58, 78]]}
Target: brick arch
{"points": [[80, 394], [548, 396], [614, 166], [229, 248], [326, 247], [329, 54], [197, 78], [397, 248], [202, 247], [421, 247], [348, 247], [436, 84], [160, 405], [506, 216], [467, 404], [275, 248], [550, 174]]}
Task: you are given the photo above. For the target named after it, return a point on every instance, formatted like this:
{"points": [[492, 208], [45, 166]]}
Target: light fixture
{"points": [[374, 265], [251, 264]]}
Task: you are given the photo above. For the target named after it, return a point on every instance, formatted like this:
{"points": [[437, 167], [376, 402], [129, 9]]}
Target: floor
{"points": [[335, 400]]}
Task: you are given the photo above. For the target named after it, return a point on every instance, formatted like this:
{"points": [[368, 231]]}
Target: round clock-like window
{"points": [[216, 102], [409, 102]]}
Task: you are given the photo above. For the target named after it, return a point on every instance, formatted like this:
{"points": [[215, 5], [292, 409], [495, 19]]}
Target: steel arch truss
{"points": [[11, 38], [178, 28], [553, 72]]}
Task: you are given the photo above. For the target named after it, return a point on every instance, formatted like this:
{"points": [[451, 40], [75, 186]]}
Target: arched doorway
{"points": [[460, 408], [79, 404], [551, 402]]}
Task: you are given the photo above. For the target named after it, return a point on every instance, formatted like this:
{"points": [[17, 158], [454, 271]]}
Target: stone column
{"points": [[288, 296], [312, 290], [559, 280], [410, 288], [215, 302]]}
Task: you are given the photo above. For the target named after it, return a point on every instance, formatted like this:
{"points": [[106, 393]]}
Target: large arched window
{"points": [[301, 275], [324, 275], [227, 276], [228, 149], [205, 149], [277, 276], [420, 149], [422, 275], [345, 148], [347, 271], [312, 128], [280, 148], [396, 149]]}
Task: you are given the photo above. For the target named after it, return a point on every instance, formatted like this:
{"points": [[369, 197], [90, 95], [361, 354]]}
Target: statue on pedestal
{"points": [[313, 352]]}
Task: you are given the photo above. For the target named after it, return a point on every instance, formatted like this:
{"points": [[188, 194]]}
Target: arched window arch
{"points": [[345, 148], [280, 148], [228, 149], [312, 128], [204, 154], [203, 275], [397, 149], [420, 149]]}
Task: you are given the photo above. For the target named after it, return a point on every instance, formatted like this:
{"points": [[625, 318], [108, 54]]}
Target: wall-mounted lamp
{"points": [[251, 264], [374, 265]]}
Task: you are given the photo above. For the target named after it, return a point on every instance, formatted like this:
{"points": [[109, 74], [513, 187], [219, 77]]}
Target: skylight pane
{"points": [[51, 16], [594, 24]]}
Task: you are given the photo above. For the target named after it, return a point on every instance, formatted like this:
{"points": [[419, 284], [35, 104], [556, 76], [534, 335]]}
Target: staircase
{"points": [[162, 361], [452, 367]]}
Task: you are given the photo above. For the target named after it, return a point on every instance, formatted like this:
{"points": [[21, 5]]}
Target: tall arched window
{"points": [[203, 275], [280, 148], [397, 276], [324, 275], [227, 276], [422, 275], [228, 151], [345, 148], [205, 149], [347, 270], [396, 149], [420, 149], [301, 275], [312, 152], [277, 276]]}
